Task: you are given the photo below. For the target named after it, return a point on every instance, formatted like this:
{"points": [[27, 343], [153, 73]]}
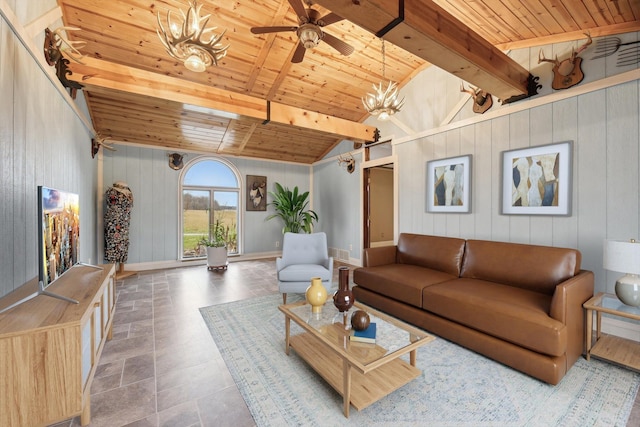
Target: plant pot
{"points": [[216, 257]]}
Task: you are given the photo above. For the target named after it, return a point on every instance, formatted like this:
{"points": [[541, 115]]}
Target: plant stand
{"points": [[217, 259]]}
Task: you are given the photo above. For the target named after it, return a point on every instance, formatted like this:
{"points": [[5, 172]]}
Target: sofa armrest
{"points": [[379, 256], [570, 295], [279, 264], [566, 307]]}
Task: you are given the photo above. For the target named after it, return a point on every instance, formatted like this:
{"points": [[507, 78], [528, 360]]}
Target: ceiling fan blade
{"points": [[298, 55], [263, 30], [337, 44], [328, 19], [299, 9]]}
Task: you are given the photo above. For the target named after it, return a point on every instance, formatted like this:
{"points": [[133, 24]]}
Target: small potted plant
{"points": [[216, 245]]}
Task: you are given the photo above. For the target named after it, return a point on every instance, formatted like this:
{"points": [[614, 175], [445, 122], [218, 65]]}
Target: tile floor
{"points": [[162, 368]]}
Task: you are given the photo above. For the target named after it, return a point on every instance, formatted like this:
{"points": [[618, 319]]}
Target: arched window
{"points": [[210, 197]]}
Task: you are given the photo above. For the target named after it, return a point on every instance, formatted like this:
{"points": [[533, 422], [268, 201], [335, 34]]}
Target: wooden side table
{"points": [[611, 348]]}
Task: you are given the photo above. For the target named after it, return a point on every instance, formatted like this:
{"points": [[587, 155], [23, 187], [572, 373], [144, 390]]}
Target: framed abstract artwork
{"points": [[449, 185], [537, 180], [256, 193]]}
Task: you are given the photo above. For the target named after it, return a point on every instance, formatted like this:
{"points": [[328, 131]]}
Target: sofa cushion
{"points": [[401, 282], [535, 268], [512, 314], [435, 252]]}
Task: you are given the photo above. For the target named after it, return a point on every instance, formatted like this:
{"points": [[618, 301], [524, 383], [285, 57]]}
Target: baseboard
{"points": [[160, 265]]}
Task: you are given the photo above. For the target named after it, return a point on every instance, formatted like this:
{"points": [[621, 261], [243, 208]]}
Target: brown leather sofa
{"points": [[520, 305]]}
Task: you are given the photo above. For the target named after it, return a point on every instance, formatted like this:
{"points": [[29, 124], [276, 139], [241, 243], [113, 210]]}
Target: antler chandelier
{"points": [[383, 103], [192, 43]]}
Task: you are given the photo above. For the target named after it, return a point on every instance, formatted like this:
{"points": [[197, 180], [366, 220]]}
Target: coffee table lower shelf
{"points": [[618, 350], [365, 388]]}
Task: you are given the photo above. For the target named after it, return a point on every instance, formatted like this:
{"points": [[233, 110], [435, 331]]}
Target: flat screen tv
{"points": [[58, 233], [58, 240]]}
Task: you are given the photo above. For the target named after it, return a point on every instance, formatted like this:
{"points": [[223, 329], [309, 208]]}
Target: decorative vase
{"points": [[360, 320], [343, 297], [316, 295]]}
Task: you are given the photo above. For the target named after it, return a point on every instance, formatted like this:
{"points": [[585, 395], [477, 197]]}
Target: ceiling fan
{"points": [[309, 30]]}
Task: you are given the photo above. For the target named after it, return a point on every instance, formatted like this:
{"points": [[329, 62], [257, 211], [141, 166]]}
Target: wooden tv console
{"points": [[49, 348]]}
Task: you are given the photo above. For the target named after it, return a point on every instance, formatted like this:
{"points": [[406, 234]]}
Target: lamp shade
{"points": [[622, 256]]}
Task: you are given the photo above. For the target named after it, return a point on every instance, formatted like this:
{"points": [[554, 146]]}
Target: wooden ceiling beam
{"points": [[433, 34], [96, 74]]}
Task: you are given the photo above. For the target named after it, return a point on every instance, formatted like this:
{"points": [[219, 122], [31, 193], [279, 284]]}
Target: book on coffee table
{"points": [[368, 335]]}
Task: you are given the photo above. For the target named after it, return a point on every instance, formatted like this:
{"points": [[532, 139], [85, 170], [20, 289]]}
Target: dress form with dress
{"points": [[117, 217]]}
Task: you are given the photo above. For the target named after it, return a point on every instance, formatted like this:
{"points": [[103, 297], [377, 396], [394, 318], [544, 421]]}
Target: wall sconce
{"points": [[624, 256]]}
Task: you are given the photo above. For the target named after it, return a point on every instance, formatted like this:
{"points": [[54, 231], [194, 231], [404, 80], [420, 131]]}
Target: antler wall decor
{"points": [[100, 141], [176, 161], [567, 73], [482, 100], [349, 161], [53, 48]]}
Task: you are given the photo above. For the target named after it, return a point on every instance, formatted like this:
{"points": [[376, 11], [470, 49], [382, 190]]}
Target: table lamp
{"points": [[624, 256]]}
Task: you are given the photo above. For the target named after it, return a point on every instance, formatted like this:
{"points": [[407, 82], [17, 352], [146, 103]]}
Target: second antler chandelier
{"points": [[383, 103], [191, 42]]}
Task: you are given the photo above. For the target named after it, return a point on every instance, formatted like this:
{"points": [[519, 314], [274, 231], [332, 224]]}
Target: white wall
{"points": [[153, 234], [604, 125], [42, 142]]}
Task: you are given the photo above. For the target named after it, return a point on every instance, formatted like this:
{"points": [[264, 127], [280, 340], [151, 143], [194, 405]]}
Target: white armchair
{"points": [[303, 256]]}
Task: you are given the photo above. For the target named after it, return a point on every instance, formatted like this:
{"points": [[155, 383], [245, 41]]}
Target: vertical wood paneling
{"points": [[622, 161], [483, 166], [6, 158], [408, 206], [591, 187], [540, 131], [499, 143], [19, 244], [605, 128], [565, 122], [154, 228], [467, 146], [143, 205], [622, 164], [42, 142], [132, 175], [336, 193]]}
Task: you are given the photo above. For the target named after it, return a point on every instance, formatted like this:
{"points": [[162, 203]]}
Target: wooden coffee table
{"points": [[361, 373]]}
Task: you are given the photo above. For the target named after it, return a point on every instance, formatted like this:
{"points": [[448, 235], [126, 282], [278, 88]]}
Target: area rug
{"points": [[457, 387]]}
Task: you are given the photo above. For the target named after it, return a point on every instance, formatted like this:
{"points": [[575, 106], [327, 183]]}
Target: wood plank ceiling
{"points": [[137, 94]]}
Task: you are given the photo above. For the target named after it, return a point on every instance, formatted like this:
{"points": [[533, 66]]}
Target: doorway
{"points": [[379, 196]]}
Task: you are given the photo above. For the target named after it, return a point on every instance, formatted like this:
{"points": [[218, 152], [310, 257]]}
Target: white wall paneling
{"points": [[43, 141], [155, 215]]}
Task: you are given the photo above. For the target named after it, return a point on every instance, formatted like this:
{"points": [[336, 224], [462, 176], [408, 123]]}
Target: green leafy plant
{"points": [[291, 207], [218, 237]]}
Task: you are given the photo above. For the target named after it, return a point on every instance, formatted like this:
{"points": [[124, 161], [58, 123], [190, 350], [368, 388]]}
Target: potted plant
{"points": [[291, 207], [216, 245]]}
